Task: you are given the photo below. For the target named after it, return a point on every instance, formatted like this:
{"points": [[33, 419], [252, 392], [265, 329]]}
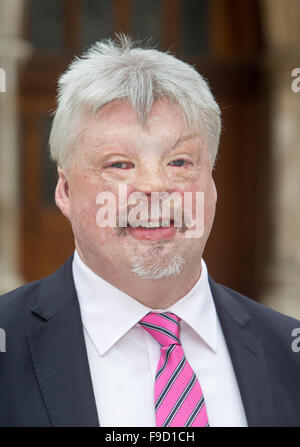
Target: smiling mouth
{"points": [[153, 225], [151, 230]]}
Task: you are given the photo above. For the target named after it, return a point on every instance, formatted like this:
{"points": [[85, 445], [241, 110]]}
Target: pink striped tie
{"points": [[179, 401]]}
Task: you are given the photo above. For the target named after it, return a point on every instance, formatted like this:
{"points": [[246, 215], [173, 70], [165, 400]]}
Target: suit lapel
{"points": [[59, 355], [248, 358]]}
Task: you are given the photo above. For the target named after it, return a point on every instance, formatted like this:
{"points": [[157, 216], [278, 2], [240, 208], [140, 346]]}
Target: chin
{"points": [[155, 272], [156, 264]]}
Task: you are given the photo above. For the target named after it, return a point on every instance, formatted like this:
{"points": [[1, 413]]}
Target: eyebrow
{"points": [[183, 139]]}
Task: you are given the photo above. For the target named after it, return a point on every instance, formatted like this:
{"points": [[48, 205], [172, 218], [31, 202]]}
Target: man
{"points": [[132, 331]]}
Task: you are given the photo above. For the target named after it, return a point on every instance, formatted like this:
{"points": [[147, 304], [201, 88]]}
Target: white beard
{"points": [[156, 266]]}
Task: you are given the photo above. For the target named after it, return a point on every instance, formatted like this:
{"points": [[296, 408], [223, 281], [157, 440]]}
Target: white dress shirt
{"points": [[123, 357]]}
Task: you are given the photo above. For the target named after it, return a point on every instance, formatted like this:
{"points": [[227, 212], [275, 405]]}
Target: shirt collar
{"points": [[108, 313]]}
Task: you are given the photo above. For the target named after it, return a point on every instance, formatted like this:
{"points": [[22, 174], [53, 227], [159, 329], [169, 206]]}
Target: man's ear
{"points": [[215, 191], [62, 198]]}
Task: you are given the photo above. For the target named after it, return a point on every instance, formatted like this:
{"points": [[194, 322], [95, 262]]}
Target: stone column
{"points": [[12, 49], [282, 274]]}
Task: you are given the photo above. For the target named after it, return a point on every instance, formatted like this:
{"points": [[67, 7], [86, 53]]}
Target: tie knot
{"points": [[164, 327]]}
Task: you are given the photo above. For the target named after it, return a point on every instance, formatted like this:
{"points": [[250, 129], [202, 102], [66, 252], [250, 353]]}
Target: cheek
{"points": [[83, 207], [86, 228], [186, 177], [83, 216], [82, 197], [84, 191], [205, 202]]}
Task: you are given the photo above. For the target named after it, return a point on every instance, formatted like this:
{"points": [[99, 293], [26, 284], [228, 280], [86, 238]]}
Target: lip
{"points": [[153, 234]]}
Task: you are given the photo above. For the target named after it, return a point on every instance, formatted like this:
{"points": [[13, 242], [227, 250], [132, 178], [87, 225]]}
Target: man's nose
{"points": [[153, 180]]}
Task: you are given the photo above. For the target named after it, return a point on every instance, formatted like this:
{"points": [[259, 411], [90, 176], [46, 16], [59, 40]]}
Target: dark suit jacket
{"points": [[44, 373]]}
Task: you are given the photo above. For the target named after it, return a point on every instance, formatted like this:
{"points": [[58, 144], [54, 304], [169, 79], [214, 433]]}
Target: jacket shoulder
{"points": [[259, 311], [279, 333], [39, 299], [16, 303]]}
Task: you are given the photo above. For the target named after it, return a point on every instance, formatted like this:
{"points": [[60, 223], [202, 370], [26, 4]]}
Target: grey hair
{"points": [[117, 68]]}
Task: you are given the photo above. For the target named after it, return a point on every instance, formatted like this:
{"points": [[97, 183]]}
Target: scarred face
{"points": [[164, 156]]}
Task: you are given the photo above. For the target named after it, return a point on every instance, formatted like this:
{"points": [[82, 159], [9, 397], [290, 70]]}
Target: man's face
{"points": [[163, 156]]}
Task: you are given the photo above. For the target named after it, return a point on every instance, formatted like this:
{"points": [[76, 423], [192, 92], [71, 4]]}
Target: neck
{"points": [[156, 294]]}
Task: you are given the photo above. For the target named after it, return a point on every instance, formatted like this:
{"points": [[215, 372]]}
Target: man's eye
{"points": [[120, 165], [178, 163]]}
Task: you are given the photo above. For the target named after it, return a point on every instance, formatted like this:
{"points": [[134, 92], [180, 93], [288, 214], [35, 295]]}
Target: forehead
{"points": [[118, 122]]}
